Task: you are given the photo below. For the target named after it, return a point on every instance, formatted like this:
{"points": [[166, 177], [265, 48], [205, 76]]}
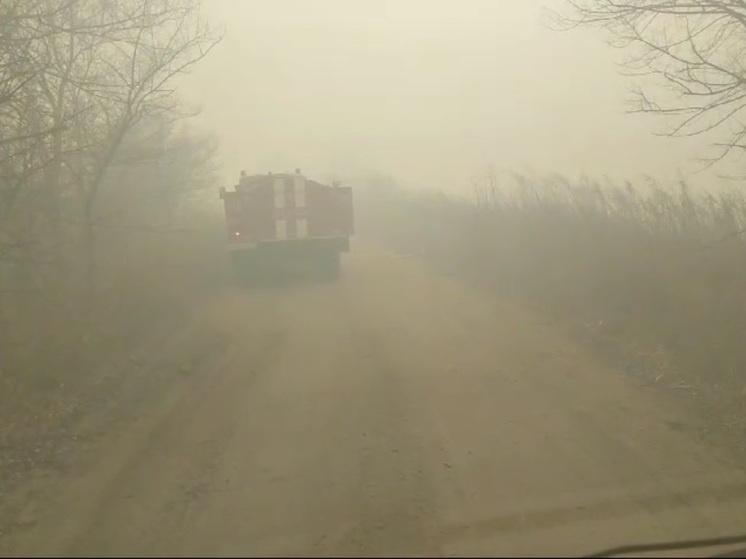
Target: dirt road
{"points": [[391, 413]]}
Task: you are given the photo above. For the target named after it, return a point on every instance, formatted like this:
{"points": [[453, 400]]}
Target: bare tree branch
{"points": [[79, 79], [695, 48]]}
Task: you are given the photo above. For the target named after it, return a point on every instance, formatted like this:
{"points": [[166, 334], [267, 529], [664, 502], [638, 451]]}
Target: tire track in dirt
{"points": [[396, 511], [393, 412], [146, 449]]}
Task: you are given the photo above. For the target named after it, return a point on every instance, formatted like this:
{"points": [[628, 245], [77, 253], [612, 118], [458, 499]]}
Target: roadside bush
{"points": [[658, 270], [54, 356]]}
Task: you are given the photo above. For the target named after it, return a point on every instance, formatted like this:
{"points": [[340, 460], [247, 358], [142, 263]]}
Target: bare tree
{"points": [[24, 131], [112, 65], [85, 86], [695, 49]]}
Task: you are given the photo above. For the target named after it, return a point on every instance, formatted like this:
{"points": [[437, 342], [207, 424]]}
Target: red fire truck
{"points": [[281, 224]]}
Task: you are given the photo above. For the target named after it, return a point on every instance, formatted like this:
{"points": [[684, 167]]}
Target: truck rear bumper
{"points": [[273, 261], [291, 247]]}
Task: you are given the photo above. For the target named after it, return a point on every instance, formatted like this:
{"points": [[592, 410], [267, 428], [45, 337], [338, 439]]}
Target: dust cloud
{"points": [[466, 365]]}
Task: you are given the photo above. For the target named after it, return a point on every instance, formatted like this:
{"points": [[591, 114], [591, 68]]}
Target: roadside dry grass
{"points": [[59, 357], [653, 277], [85, 365]]}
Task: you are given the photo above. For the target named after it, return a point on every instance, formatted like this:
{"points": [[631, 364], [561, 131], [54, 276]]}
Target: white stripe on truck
{"points": [[281, 202], [281, 229], [301, 228], [299, 186]]}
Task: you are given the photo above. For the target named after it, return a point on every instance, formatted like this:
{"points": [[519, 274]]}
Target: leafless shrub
{"points": [[96, 176], [650, 267]]}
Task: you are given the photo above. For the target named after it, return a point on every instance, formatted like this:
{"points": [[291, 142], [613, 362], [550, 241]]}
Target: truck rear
{"points": [[284, 224]]}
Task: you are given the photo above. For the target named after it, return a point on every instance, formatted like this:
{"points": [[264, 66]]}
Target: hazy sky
{"points": [[433, 92]]}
